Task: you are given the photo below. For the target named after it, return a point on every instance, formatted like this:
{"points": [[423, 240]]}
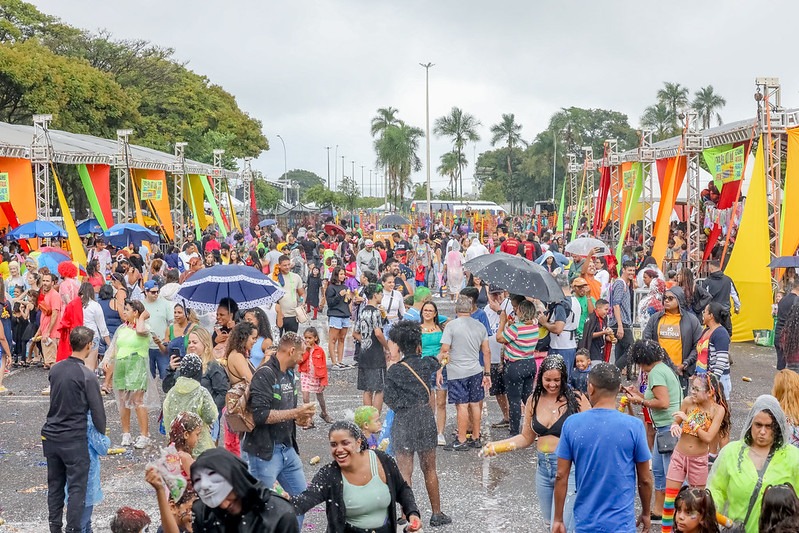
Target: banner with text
{"points": [[152, 190], [725, 163], [5, 196]]}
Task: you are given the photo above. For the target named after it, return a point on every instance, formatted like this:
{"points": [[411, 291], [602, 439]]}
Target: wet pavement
{"points": [[480, 495]]}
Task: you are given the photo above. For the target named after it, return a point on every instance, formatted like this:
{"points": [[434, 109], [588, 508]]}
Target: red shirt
{"points": [[510, 246], [212, 245]]}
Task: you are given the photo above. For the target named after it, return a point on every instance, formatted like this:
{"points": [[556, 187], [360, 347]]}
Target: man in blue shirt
{"points": [[609, 450]]}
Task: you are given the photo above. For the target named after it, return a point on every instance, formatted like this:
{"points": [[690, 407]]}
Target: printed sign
{"points": [[152, 190], [728, 165], [629, 177], [4, 196]]}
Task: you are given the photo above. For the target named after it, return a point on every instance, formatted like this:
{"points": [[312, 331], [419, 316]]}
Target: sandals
{"points": [[326, 418]]}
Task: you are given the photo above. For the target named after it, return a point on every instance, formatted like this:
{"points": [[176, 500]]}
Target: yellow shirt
{"points": [[669, 336]]}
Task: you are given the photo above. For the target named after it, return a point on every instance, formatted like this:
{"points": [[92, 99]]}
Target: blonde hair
{"points": [[786, 390], [205, 339]]}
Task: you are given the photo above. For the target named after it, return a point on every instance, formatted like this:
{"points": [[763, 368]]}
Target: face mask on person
{"points": [[211, 487]]}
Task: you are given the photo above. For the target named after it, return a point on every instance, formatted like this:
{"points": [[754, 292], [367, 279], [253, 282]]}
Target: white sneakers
{"points": [[142, 442], [442, 441], [126, 440]]}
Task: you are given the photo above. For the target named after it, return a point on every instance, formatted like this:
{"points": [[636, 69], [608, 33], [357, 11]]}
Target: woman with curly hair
{"points": [[551, 403], [786, 390], [237, 353]]}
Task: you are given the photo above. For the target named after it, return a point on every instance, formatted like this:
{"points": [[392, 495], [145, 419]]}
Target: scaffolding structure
{"points": [[179, 174], [246, 185], [646, 155], [41, 156], [217, 177], [122, 164], [693, 145], [614, 162], [589, 168], [573, 169]]}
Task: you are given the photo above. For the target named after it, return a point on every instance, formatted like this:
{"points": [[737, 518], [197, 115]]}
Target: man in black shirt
{"points": [[783, 308], [272, 444], [402, 248], [74, 392]]}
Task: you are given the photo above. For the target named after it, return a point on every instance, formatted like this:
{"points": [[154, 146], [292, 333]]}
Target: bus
{"points": [[456, 207]]}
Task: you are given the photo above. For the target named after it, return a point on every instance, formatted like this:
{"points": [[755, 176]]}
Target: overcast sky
{"points": [[316, 72]]}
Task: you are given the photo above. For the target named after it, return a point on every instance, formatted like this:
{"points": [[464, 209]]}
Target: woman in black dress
{"points": [[408, 394]]}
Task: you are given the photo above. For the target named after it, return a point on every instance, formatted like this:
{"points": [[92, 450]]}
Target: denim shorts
{"points": [[466, 390], [338, 322], [434, 386]]}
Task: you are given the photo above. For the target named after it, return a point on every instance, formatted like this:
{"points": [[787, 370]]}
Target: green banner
{"points": [[632, 199], [562, 209], [209, 194], [725, 163], [94, 203]]}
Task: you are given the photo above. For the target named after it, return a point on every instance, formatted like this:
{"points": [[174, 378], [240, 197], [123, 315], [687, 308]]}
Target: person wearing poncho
{"points": [[188, 395]]}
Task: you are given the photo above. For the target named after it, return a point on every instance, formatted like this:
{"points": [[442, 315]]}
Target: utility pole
{"points": [[342, 167], [285, 170], [328, 167], [370, 183], [427, 133], [363, 189]]}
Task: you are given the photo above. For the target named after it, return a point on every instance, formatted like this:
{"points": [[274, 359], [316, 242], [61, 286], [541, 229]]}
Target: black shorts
{"points": [[497, 380], [371, 379]]}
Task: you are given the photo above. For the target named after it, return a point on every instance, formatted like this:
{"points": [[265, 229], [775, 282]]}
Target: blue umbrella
{"points": [[37, 228], [124, 234], [267, 222], [89, 226], [561, 259], [786, 261], [245, 285]]}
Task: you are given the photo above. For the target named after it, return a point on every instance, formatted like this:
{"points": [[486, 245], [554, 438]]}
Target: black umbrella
{"points": [[516, 275], [786, 261], [393, 220]]}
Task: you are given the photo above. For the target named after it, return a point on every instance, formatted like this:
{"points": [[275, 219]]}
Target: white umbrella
{"points": [[584, 245]]}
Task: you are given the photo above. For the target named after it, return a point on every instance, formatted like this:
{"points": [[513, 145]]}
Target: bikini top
{"points": [[697, 419], [554, 430]]}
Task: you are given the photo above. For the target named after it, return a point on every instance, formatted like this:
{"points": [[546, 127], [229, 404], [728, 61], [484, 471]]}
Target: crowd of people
{"points": [[232, 388]]}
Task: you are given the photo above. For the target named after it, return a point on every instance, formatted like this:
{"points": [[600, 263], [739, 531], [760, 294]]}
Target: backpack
{"points": [[239, 416], [568, 304]]}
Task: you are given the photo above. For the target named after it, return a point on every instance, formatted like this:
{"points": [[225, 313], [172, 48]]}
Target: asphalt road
{"points": [[479, 495]]}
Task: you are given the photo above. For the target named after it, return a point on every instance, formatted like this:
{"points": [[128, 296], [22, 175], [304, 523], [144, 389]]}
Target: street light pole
{"points": [[427, 134], [353, 172], [285, 170], [363, 188], [335, 168], [342, 168], [370, 183], [328, 167]]}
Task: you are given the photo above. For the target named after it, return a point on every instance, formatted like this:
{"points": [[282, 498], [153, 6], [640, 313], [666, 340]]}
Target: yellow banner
{"points": [[75, 244], [789, 223]]}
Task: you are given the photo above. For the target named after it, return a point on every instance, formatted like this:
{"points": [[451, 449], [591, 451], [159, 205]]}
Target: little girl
{"points": [[695, 511], [313, 373], [313, 291], [184, 434]]}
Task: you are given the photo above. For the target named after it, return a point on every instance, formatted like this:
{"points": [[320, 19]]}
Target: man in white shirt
{"points": [[185, 256], [292, 284], [368, 259], [161, 315], [102, 255]]}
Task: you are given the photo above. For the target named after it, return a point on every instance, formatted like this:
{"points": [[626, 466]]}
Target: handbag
{"points": [[301, 314], [665, 442], [426, 387], [740, 527]]}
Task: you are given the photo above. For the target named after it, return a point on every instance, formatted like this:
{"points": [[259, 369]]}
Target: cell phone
{"points": [[175, 352]]}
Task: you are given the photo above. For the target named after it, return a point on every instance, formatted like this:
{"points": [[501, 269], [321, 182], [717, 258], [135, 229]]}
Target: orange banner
{"points": [[675, 174], [21, 190], [159, 207]]}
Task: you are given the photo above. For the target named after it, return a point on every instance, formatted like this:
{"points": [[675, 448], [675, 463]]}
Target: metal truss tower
{"points": [[646, 155], [614, 162], [218, 175], [41, 155], [589, 166], [246, 183], [773, 121], [693, 144], [122, 163], [179, 174], [573, 169]]}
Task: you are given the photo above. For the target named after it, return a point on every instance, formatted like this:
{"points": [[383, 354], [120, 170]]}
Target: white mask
{"points": [[211, 487]]}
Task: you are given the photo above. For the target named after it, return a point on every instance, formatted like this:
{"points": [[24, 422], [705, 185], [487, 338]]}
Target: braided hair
{"points": [[555, 362]]}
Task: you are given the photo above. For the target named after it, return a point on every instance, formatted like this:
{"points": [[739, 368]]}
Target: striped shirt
{"points": [[522, 339]]}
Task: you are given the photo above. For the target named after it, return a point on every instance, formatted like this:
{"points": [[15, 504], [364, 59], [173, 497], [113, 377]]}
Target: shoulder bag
{"points": [[426, 387], [740, 527]]}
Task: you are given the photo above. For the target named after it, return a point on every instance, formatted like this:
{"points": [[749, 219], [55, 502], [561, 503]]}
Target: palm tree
{"points": [[708, 104], [461, 128], [450, 162], [396, 151], [674, 97], [508, 132], [386, 116], [659, 119]]}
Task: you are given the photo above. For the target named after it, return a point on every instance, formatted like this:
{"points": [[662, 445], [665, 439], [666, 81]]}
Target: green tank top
{"points": [[431, 343], [367, 505]]}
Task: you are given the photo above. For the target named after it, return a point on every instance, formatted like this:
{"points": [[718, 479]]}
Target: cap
{"points": [[495, 289], [150, 285], [579, 282], [368, 242]]}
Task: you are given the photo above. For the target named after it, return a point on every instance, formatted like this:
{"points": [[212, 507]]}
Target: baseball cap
{"points": [[495, 289], [150, 285], [579, 282], [368, 242]]}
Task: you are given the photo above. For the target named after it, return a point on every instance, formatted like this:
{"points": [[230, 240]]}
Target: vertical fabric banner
{"points": [[561, 213], [96, 181], [209, 195], [789, 218], [75, 244], [635, 176], [601, 200], [668, 196], [195, 201], [153, 182], [22, 194], [748, 265], [729, 193], [578, 213], [234, 219]]}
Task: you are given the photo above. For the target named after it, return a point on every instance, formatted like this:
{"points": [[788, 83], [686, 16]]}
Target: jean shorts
{"points": [[338, 322]]}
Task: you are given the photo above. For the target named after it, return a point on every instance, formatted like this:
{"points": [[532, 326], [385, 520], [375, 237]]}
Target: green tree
{"points": [[491, 191], [708, 104], [659, 119], [321, 196], [507, 131], [675, 97], [305, 178], [460, 128], [419, 191], [386, 116], [350, 192], [266, 196], [450, 163], [397, 152]]}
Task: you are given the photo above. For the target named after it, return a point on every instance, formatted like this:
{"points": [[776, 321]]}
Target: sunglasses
{"points": [[669, 298], [153, 292]]}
